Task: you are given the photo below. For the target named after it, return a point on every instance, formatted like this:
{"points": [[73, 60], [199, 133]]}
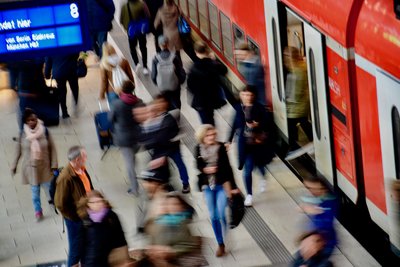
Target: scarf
{"points": [[97, 216], [209, 154], [33, 135], [128, 99]]}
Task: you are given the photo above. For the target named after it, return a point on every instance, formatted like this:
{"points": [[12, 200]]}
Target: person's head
{"points": [[93, 201], [141, 113], [77, 156], [291, 57], [159, 105], [128, 87], [110, 57], [152, 182], [177, 204], [201, 49], [311, 244], [244, 51], [163, 42], [206, 134], [248, 95], [316, 185], [30, 118]]}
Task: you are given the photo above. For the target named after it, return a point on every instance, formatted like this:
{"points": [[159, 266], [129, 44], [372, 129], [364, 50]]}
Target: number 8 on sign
{"points": [[74, 11]]}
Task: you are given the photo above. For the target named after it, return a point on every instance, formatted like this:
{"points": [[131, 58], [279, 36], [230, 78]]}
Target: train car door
{"points": [[275, 64], [388, 90], [318, 101]]}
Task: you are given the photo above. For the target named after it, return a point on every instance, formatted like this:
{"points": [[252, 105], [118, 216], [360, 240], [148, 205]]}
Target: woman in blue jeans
{"points": [[39, 158], [215, 180]]}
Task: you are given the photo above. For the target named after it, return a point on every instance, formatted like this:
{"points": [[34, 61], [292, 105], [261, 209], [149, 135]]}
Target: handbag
{"points": [[137, 27], [81, 68], [183, 26], [119, 256], [237, 210], [118, 78]]}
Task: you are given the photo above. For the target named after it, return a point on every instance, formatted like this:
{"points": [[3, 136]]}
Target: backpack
{"points": [[52, 187], [167, 80], [118, 78]]}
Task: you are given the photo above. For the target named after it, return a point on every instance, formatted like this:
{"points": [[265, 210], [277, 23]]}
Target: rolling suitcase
{"points": [[103, 129]]}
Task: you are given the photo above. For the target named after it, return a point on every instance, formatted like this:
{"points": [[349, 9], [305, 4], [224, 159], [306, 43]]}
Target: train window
{"points": [[193, 12], [253, 45], [314, 93], [277, 65], [184, 6], [227, 37], [214, 24], [396, 139], [239, 36], [203, 15]]}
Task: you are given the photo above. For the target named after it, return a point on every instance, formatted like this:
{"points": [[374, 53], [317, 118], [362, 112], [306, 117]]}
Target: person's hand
{"points": [[252, 124], [102, 97], [235, 191], [227, 146], [311, 209], [156, 163], [210, 170]]}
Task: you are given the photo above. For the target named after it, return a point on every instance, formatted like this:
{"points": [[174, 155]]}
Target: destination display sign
{"points": [[43, 29]]}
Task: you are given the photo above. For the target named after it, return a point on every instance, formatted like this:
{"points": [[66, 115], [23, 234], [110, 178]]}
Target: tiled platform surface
{"points": [[23, 242]]}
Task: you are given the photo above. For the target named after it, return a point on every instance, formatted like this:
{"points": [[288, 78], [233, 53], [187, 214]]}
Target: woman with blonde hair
{"points": [[102, 233], [114, 70], [215, 179]]}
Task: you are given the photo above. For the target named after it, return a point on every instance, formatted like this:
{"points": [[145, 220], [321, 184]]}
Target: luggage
{"points": [[103, 128], [237, 210]]}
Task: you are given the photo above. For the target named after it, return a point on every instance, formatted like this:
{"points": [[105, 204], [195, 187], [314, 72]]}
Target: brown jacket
{"points": [[106, 77], [167, 16], [35, 172], [69, 191]]}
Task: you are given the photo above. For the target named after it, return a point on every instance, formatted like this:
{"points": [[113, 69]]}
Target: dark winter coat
{"points": [[154, 6], [126, 129], [100, 15], [224, 170], [263, 152], [61, 67], [204, 84], [100, 238], [27, 76]]}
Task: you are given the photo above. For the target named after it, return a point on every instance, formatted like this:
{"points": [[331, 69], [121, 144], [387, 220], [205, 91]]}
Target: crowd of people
{"points": [[94, 232]]}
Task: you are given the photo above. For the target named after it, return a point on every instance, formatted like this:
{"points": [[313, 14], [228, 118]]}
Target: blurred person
{"points": [[321, 207], [136, 10], [154, 6], [395, 196], [252, 69], [110, 64], [161, 131], [102, 232], [73, 183], [126, 130], [170, 237], [216, 180], [204, 84], [63, 69], [167, 73], [311, 250], [253, 126], [297, 101], [100, 14], [39, 158], [167, 17]]}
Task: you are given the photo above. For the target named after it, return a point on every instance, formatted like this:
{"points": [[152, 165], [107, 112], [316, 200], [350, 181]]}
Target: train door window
{"points": [[396, 139], [193, 12], [239, 38], [276, 53], [314, 94], [214, 25], [184, 6], [227, 37], [203, 16]]}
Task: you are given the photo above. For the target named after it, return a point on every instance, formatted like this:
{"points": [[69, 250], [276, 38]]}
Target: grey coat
{"points": [[35, 172], [167, 16]]}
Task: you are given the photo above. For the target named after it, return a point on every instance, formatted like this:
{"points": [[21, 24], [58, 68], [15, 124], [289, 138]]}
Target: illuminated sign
{"points": [[42, 28]]}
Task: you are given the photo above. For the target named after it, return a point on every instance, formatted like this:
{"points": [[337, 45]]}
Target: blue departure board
{"points": [[33, 28]]}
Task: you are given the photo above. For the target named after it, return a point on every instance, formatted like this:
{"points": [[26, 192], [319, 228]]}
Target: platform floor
{"points": [[23, 242]]}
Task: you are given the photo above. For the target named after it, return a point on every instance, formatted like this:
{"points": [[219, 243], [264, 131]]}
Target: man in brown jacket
{"points": [[72, 184]]}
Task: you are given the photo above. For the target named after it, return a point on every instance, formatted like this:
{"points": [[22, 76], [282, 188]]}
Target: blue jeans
{"points": [[216, 201], [74, 232], [111, 97], [98, 38], [177, 158], [36, 195], [247, 172]]}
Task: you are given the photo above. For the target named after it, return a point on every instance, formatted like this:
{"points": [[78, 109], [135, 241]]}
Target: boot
{"points": [[220, 251]]}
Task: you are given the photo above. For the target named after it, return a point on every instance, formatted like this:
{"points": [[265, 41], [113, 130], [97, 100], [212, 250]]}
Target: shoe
{"points": [[39, 216], [145, 71], [263, 186], [248, 202], [186, 189], [220, 251], [65, 116]]}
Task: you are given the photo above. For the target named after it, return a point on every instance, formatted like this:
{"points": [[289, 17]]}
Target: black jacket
{"points": [[61, 67], [224, 170], [100, 238], [204, 84], [100, 15]]}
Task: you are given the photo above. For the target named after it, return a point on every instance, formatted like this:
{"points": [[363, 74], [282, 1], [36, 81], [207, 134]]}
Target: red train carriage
{"points": [[352, 50]]}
